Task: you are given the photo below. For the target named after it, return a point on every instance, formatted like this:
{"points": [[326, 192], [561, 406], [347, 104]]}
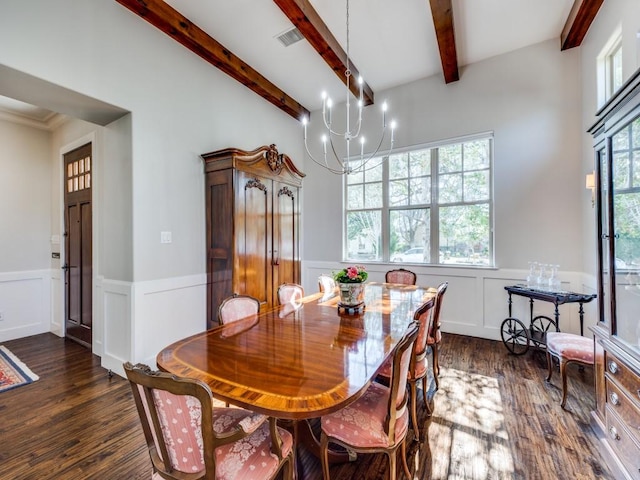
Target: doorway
{"points": [[78, 256]]}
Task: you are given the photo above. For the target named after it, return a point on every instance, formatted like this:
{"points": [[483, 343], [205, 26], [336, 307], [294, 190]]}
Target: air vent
{"points": [[290, 37]]}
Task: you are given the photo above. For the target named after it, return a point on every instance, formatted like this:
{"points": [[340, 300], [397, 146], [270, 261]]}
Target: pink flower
{"points": [[352, 272]]}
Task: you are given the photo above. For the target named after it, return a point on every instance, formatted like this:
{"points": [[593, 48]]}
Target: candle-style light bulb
{"points": [[305, 120], [393, 129], [384, 115], [324, 145], [361, 146]]}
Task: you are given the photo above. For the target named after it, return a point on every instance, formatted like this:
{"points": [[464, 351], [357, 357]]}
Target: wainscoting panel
{"points": [[112, 336], [166, 311], [25, 303]]}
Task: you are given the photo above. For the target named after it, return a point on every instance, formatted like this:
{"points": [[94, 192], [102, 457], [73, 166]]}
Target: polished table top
{"points": [[299, 360]]}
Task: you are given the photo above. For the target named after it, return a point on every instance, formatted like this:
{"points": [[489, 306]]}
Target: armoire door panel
{"points": [[219, 198], [286, 234], [254, 237]]}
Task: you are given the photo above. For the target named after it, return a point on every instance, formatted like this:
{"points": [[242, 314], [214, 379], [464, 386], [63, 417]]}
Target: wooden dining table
{"points": [[303, 359]]}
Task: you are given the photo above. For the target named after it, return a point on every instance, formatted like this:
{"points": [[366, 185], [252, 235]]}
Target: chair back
{"points": [[398, 397], [326, 284], [435, 325], [236, 307], [423, 316], [400, 275], [177, 420], [290, 293]]}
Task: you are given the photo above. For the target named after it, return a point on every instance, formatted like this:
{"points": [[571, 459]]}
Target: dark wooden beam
{"points": [[313, 28], [442, 13], [173, 23], [580, 18]]}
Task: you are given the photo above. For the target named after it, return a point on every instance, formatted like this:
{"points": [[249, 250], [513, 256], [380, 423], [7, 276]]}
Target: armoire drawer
{"points": [[625, 408], [623, 375], [626, 448]]}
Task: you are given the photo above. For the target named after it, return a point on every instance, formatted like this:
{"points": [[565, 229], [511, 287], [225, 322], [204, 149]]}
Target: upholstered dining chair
{"points": [[290, 293], [236, 307], [326, 284], [418, 368], [379, 420], [400, 275], [568, 348], [434, 339], [189, 439]]}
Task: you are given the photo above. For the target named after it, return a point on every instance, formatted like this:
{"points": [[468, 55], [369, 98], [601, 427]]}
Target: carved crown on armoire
{"points": [[252, 224]]}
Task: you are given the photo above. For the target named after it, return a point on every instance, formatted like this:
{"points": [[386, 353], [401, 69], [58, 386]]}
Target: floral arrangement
{"points": [[353, 274]]}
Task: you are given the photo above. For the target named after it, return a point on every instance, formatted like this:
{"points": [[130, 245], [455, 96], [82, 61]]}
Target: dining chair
{"points": [[418, 368], [326, 284], [378, 421], [290, 293], [400, 275], [236, 307], [190, 439], [568, 348], [435, 335]]}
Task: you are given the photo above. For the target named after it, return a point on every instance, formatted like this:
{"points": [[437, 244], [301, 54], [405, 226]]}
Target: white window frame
{"points": [[434, 206]]}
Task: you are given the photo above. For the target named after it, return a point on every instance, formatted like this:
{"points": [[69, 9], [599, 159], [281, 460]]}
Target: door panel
{"points": [[78, 245]]}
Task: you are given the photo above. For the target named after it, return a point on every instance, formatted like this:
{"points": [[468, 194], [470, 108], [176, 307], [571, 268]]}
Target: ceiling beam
{"points": [[442, 12], [578, 22], [313, 28], [173, 23]]}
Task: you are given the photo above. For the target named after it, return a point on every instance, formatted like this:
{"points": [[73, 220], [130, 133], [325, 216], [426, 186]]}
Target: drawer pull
{"points": [[613, 367], [614, 398], [613, 433]]}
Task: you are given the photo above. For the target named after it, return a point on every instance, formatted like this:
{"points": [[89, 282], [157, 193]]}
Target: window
{"points": [[614, 69], [429, 205], [609, 63]]}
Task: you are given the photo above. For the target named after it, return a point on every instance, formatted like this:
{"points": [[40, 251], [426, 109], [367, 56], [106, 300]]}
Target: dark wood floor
{"points": [[495, 418]]}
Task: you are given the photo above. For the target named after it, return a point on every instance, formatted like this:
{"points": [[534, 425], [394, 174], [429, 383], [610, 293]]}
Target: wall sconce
{"points": [[591, 185]]}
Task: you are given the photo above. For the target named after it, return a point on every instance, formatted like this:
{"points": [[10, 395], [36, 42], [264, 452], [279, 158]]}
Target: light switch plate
{"points": [[165, 237]]}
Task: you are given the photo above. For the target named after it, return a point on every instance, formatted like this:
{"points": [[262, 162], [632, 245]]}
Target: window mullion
{"points": [[434, 214]]}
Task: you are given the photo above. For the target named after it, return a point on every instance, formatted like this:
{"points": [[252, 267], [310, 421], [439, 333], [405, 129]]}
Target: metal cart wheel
{"points": [[515, 336], [540, 325]]}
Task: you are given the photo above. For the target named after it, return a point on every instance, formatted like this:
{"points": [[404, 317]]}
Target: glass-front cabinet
{"points": [[617, 333]]}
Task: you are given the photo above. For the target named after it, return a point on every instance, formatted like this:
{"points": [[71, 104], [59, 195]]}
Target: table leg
{"points": [[303, 434], [557, 315], [509, 302], [581, 318]]}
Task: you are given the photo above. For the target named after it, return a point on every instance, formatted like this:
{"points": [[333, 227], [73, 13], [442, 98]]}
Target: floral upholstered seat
{"points": [[378, 421], [201, 442], [418, 365], [400, 275], [567, 348], [236, 307]]}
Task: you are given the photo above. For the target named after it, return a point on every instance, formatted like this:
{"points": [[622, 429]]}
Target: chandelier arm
{"points": [[363, 163], [336, 156], [323, 165]]}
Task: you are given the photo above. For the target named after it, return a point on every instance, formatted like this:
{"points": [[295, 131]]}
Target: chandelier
{"points": [[347, 164]]}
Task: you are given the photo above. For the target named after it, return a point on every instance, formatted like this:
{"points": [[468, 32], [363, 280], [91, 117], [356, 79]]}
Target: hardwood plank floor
{"points": [[494, 418]]}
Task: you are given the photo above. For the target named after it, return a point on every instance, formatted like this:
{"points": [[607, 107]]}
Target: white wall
{"points": [[25, 230], [530, 99], [180, 108]]}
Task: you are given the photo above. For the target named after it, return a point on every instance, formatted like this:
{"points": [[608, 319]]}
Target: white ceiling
{"points": [[392, 42]]}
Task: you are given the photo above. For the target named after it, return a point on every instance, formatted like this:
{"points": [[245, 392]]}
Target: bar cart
{"points": [[518, 337]]}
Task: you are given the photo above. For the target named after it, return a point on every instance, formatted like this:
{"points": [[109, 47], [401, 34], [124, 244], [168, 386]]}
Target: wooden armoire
{"points": [[253, 225]]}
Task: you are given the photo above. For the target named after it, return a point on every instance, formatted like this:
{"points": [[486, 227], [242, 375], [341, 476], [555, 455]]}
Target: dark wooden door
{"points": [[78, 252]]}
